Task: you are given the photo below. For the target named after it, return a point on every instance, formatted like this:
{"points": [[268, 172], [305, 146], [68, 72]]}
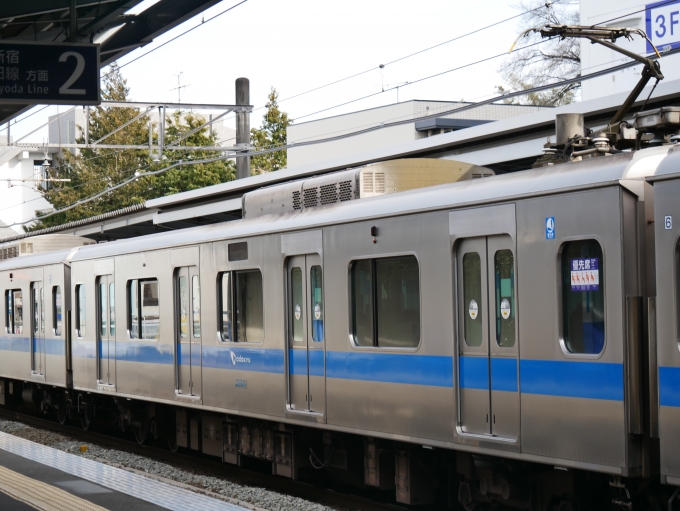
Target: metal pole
{"points": [[73, 22], [8, 138], [242, 126], [161, 133], [87, 125]]}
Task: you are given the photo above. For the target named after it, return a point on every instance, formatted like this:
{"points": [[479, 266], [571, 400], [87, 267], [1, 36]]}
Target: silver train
{"points": [[512, 340]]}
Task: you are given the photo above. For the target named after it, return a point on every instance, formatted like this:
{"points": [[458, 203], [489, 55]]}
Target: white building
{"points": [[20, 198], [414, 130], [662, 25]]}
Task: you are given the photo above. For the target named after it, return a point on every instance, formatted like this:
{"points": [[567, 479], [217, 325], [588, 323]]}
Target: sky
{"points": [[298, 45]]}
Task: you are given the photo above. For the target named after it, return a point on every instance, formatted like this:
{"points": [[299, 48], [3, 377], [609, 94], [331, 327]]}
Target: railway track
{"points": [[112, 438]]}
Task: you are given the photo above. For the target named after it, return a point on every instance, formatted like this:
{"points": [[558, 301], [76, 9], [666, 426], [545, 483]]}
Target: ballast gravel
{"points": [[247, 496]]}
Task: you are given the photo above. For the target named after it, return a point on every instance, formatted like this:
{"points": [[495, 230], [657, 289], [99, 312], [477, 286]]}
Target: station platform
{"points": [[34, 476]]}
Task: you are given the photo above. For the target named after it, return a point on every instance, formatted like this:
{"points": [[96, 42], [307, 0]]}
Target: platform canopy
{"points": [[120, 26]]}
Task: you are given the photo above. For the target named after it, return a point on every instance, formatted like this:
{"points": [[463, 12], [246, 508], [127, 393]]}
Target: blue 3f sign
{"points": [[663, 25]]}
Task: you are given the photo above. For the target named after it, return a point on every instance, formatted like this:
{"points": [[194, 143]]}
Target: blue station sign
{"points": [[35, 73], [663, 25]]}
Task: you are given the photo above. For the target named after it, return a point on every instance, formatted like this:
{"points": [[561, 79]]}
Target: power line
{"points": [[423, 79], [179, 35], [417, 52]]}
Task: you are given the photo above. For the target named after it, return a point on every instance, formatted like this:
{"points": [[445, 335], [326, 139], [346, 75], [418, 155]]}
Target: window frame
{"points": [[350, 303], [560, 297], [220, 306], [137, 282]]}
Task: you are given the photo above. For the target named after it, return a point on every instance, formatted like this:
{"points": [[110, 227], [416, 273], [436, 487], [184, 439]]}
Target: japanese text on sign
{"points": [[585, 274], [61, 73], [663, 25]]}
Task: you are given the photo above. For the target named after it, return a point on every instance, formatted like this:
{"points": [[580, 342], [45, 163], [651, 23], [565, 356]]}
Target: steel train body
{"points": [[475, 329]]}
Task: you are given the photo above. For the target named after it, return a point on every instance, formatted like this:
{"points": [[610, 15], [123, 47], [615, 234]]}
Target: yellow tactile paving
{"points": [[41, 495]]}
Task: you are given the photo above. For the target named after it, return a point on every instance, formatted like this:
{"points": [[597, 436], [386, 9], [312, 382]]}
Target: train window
{"points": [[386, 302], [472, 299], [143, 309], [317, 303], [243, 289], [249, 306], [298, 318], [56, 310], [36, 309], [196, 305], [504, 270], [14, 315], [583, 297], [80, 310]]}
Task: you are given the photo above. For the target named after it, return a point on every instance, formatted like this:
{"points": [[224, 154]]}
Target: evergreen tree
{"points": [[272, 134], [94, 170]]}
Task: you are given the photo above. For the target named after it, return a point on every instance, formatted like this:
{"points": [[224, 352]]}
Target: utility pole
{"points": [[242, 126]]}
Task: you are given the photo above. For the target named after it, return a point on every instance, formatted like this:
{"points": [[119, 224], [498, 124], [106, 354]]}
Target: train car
{"points": [[482, 336], [665, 332]]}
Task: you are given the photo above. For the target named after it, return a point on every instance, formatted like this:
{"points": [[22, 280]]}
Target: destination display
{"points": [[33, 73]]}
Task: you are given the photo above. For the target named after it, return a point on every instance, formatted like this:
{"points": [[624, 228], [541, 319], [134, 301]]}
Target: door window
{"points": [[297, 319], [196, 306], [56, 310], [103, 327], [112, 310], [504, 273], [80, 310], [183, 307], [316, 278], [472, 299]]}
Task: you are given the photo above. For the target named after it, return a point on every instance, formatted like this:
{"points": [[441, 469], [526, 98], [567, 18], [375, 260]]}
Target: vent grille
{"points": [[296, 200], [368, 182], [8, 253], [311, 197], [379, 182], [345, 191], [329, 194]]}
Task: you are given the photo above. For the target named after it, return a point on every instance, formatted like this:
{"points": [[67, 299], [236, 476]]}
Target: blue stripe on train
{"points": [[585, 380], [436, 371], [474, 373], [669, 386], [263, 360], [297, 359], [23, 345]]}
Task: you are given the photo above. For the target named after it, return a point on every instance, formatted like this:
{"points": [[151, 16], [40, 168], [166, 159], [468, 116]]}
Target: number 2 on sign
{"points": [[80, 67]]}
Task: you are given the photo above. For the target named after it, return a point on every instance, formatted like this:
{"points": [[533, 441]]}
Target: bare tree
{"points": [[549, 62]]}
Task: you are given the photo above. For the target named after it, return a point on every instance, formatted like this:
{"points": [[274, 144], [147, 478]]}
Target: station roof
{"points": [[48, 21], [505, 146]]}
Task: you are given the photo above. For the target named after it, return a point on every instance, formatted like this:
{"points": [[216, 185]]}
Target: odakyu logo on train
{"points": [[239, 359]]}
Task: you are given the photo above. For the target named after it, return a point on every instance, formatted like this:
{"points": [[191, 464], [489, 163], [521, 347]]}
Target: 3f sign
{"points": [[663, 25], [80, 67]]}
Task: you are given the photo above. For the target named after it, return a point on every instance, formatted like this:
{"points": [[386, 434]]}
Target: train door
{"points": [[488, 348], [106, 319], [188, 340], [306, 367], [37, 328]]}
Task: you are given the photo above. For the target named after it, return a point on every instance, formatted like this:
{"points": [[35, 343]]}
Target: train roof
{"points": [[669, 168], [619, 169]]}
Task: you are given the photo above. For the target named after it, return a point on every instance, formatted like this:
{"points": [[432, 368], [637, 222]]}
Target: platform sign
{"points": [[36, 73], [663, 25]]}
